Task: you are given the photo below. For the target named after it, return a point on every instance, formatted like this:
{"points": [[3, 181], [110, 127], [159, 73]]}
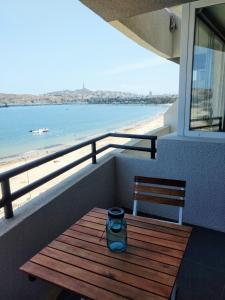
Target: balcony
{"points": [[109, 183]]}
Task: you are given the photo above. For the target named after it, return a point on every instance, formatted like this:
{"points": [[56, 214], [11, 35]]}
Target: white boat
{"points": [[39, 130]]}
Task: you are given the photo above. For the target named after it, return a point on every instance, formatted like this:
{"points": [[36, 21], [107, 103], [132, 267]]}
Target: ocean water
{"points": [[67, 124]]}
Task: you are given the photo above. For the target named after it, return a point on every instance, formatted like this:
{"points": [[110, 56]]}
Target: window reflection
{"points": [[208, 78]]}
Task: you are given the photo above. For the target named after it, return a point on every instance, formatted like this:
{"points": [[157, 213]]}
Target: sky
{"points": [[53, 45]]}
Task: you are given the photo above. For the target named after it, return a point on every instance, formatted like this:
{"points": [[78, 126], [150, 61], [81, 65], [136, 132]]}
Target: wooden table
{"points": [[78, 260]]}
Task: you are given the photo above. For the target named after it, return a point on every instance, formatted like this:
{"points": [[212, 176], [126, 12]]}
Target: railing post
{"points": [[6, 198], [153, 148], [93, 147], [220, 124]]}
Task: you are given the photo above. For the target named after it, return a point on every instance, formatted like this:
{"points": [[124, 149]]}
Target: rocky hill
{"points": [[82, 96]]}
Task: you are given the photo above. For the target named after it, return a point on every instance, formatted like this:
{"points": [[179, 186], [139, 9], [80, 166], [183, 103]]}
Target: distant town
{"points": [[84, 96]]}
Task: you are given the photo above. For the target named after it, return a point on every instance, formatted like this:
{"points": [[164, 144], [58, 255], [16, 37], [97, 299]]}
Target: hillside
{"points": [[82, 96]]}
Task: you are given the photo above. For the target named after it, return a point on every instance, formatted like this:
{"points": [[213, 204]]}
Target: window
{"points": [[208, 71]]}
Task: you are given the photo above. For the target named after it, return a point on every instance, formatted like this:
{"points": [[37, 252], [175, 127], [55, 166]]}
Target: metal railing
{"points": [[8, 197], [218, 124]]}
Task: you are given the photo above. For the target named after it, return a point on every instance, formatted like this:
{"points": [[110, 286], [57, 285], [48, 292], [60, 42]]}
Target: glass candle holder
{"points": [[116, 230]]}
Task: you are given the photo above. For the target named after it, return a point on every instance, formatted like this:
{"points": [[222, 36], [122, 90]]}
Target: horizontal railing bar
{"points": [[48, 177], [205, 126], [133, 136], [39, 182], [33, 164], [9, 197], [126, 147], [21, 192], [47, 158], [102, 149], [206, 119]]}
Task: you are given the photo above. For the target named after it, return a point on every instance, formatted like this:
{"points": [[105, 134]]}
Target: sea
{"points": [[67, 124]]}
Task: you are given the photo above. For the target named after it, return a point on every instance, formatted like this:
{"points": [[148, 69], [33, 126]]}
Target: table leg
{"points": [[31, 278], [174, 292]]}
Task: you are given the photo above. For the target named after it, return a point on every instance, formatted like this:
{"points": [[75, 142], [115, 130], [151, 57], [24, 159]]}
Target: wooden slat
{"points": [[159, 200], [138, 236], [126, 257], [133, 248], [92, 216], [159, 190], [149, 226], [148, 220], [100, 235], [107, 272], [105, 283], [161, 181], [150, 223], [69, 283], [80, 261], [115, 263], [141, 230]]}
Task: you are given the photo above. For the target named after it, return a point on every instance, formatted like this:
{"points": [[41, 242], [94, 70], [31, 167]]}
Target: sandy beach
{"points": [[22, 180]]}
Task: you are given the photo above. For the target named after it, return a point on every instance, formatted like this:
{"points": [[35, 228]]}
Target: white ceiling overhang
{"points": [[111, 10], [147, 22]]}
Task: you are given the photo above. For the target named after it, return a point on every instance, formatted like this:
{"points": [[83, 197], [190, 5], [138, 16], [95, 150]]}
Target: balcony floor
{"points": [[202, 273]]}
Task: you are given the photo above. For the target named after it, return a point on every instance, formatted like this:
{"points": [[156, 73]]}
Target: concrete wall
{"points": [[144, 30], [40, 221], [199, 162], [171, 117]]}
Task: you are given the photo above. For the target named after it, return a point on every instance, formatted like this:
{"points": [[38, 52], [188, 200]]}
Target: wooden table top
{"points": [[78, 260]]}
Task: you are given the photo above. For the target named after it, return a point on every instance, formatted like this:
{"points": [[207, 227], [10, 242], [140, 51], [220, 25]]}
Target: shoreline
{"points": [[81, 103], [40, 152], [141, 127]]}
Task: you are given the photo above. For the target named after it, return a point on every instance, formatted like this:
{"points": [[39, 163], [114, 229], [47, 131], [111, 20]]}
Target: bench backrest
{"points": [[160, 191]]}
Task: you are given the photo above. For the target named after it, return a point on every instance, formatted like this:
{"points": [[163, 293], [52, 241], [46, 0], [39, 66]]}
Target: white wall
{"points": [[171, 117], [200, 163], [151, 30]]}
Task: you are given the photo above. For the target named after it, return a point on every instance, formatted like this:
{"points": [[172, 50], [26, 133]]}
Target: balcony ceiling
{"points": [[111, 10], [146, 22]]}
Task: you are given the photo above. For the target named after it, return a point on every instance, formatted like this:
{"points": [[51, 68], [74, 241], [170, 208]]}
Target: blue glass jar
{"points": [[116, 230]]}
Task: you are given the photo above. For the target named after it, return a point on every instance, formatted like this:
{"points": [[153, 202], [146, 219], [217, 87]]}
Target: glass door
{"points": [[206, 111]]}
